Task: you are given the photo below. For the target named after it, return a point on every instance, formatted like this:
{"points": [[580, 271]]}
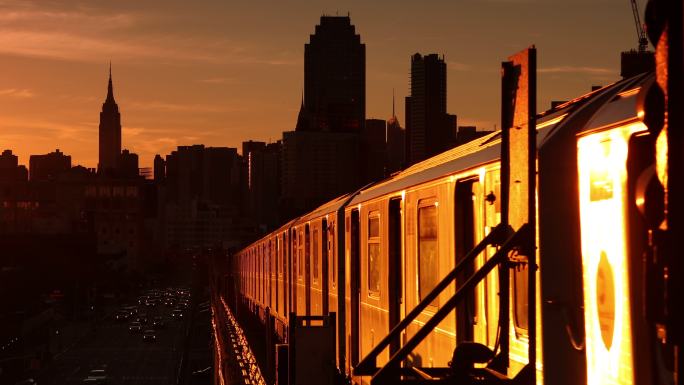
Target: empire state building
{"points": [[110, 133]]}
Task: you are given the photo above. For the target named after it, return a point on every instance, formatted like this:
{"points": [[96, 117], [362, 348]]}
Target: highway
{"points": [[126, 358]]}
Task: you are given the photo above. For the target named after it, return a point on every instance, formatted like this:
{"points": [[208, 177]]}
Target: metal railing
{"points": [[391, 372]]}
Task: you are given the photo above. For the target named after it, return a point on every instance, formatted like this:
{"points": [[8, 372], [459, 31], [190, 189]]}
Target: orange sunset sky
{"points": [[222, 72]]}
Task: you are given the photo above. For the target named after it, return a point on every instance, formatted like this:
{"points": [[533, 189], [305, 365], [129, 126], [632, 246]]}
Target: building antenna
{"points": [[393, 115]]}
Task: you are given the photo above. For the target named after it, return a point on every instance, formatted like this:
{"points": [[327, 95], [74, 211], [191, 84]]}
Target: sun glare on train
{"points": [[602, 160]]}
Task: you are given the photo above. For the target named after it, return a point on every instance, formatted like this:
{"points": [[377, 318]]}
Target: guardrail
{"points": [[232, 349]]}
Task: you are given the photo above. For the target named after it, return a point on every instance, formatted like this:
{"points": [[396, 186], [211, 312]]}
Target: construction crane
{"points": [[641, 35]]}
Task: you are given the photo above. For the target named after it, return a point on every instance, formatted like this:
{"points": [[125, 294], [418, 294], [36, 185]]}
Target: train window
{"points": [[300, 264], [279, 256], [315, 255], [428, 259], [520, 298], [307, 252], [331, 252], [283, 258], [374, 262]]}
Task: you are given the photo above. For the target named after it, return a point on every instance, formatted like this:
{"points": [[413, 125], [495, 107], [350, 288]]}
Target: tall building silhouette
{"points": [[334, 78], [48, 166], [429, 129], [320, 158], [110, 132], [396, 137]]}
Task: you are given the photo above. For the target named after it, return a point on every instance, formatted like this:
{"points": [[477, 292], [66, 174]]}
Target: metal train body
{"points": [[371, 255]]}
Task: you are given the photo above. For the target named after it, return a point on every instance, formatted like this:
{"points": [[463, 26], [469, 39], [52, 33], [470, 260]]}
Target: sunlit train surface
{"points": [[370, 257]]}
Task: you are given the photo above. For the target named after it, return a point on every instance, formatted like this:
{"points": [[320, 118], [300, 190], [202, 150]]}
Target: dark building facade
{"points": [[317, 166], [334, 77], [10, 170], [109, 133], [429, 129], [159, 169], [396, 145], [467, 133], [128, 164], [262, 168], [373, 150], [201, 197], [48, 166]]}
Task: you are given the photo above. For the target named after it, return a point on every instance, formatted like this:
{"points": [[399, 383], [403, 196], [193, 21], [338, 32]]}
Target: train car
{"points": [[371, 256]]}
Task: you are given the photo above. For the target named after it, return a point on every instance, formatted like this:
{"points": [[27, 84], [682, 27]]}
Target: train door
{"points": [[269, 274], [324, 267], [488, 292], [287, 263], [609, 344], [395, 271], [278, 274], [355, 285], [294, 263], [307, 268], [466, 207]]}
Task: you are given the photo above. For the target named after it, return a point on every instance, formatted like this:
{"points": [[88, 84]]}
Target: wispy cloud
{"points": [[77, 130], [458, 66], [578, 70], [218, 80], [154, 105], [88, 34], [17, 93]]}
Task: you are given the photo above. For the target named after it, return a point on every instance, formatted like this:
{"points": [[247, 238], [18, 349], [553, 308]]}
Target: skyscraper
{"points": [[430, 130], [396, 137], [320, 158], [334, 77], [110, 132]]}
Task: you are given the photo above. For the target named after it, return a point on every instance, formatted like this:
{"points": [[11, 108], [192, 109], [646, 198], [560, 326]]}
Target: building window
{"points": [[428, 258], [374, 262]]}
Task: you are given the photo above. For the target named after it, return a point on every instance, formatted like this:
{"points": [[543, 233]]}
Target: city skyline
{"points": [[212, 82]]}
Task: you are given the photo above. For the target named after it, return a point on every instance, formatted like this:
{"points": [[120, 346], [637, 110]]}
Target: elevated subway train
{"points": [[370, 256]]}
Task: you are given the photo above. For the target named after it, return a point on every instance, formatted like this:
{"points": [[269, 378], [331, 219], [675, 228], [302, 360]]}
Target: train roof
{"points": [[620, 107], [325, 209]]}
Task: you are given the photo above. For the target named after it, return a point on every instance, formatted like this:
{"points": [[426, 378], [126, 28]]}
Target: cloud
{"points": [[178, 107], [218, 80], [17, 93], [38, 127], [457, 66], [88, 35], [578, 69]]}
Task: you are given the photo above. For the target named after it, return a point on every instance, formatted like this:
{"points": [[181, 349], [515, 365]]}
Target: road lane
{"points": [[126, 358]]}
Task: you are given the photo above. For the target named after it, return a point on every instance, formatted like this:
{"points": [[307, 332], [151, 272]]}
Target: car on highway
{"points": [[142, 318], [122, 316], [96, 376], [28, 381], [206, 372], [177, 313], [158, 322], [149, 335], [134, 327]]}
